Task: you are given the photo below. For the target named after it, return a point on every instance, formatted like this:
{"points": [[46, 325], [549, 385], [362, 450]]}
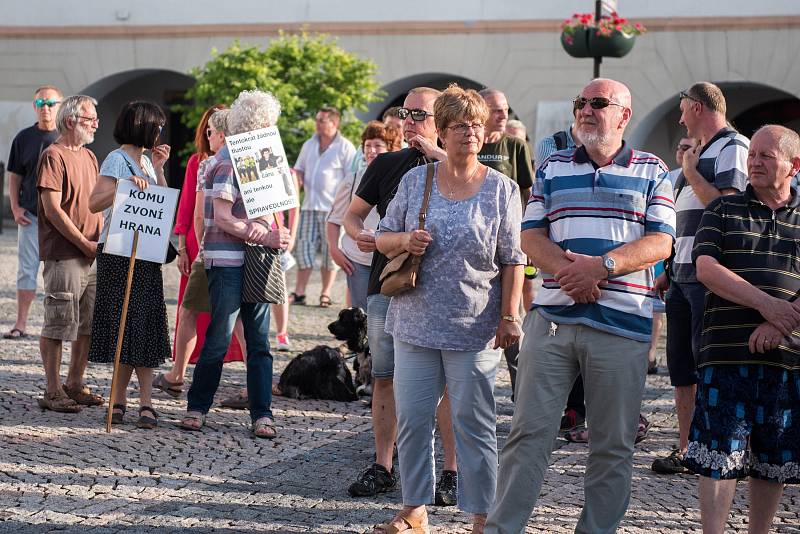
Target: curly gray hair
{"points": [[253, 110], [219, 121]]}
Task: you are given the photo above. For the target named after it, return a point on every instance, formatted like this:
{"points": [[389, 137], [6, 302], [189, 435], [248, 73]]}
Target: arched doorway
{"points": [[396, 91], [166, 88], [750, 106]]}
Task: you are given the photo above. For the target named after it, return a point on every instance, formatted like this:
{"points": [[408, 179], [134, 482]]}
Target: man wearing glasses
{"points": [[25, 151], [377, 188], [715, 166], [68, 234], [600, 215]]}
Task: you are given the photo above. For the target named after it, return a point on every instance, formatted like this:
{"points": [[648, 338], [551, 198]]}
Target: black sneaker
{"points": [[571, 419], [671, 465], [374, 480], [446, 489]]}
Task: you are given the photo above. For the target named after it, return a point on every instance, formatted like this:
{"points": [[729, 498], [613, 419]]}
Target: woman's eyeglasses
{"points": [[597, 102], [461, 128]]}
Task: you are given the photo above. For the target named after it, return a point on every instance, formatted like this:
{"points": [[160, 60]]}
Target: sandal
{"points": [[641, 430], [59, 402], [325, 301], [145, 421], [298, 300], [15, 333], [117, 414], [579, 434], [173, 389], [237, 402], [413, 526], [192, 421], [264, 427], [83, 396]]}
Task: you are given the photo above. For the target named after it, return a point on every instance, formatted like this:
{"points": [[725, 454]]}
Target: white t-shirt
{"points": [[323, 172]]}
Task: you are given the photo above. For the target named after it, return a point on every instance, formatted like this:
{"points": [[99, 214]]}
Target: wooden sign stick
{"points": [[121, 332]]}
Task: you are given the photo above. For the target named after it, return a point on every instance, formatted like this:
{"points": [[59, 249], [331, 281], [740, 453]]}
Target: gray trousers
{"points": [[420, 376], [613, 370]]}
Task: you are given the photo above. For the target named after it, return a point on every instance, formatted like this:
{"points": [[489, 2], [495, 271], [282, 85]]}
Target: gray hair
{"points": [[71, 109], [788, 140], [253, 110], [514, 123], [219, 120]]}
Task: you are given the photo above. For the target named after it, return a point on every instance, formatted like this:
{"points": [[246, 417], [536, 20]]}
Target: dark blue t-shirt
{"points": [[25, 151]]}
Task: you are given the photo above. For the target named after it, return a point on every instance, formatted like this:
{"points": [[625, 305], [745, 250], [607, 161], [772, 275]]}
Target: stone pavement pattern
{"points": [[62, 472]]}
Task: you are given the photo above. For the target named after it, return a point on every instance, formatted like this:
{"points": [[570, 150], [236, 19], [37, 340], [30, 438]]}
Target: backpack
{"points": [[561, 140]]}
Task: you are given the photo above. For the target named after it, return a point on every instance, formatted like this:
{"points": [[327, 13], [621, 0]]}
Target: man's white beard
{"points": [[592, 139]]}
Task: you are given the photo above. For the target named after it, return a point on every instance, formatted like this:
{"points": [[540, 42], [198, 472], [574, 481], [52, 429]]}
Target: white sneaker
{"points": [[283, 342]]}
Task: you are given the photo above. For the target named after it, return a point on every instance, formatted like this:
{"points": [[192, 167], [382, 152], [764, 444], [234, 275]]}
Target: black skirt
{"points": [[146, 340]]}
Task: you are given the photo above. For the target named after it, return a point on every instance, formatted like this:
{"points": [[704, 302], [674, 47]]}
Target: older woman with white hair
{"points": [[227, 229]]}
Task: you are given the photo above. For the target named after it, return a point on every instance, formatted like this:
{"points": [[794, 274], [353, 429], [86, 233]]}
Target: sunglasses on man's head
{"points": [[684, 94], [417, 115], [597, 102], [49, 102]]}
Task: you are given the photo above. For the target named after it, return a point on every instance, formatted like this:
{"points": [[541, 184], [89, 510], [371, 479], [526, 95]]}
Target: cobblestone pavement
{"points": [[62, 472]]}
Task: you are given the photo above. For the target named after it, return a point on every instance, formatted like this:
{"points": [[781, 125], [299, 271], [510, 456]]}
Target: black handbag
{"points": [[262, 278]]}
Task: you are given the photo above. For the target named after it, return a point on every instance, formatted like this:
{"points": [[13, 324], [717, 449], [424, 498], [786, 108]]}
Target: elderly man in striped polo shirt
{"points": [[747, 414], [599, 217]]}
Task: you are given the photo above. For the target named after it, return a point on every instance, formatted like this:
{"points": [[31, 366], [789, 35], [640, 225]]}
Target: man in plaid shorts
{"points": [[321, 165]]}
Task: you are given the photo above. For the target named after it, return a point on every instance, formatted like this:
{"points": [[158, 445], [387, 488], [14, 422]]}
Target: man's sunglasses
{"points": [[684, 94], [41, 102], [597, 102], [417, 115]]}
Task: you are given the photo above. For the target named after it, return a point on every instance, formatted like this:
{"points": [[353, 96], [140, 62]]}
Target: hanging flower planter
{"points": [[616, 44], [577, 43], [611, 36]]}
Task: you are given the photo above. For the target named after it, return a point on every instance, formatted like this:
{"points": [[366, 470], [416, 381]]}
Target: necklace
{"points": [[451, 195]]}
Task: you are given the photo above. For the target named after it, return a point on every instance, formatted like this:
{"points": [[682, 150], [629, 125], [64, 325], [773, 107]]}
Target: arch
{"points": [[750, 105], [164, 87], [396, 90]]}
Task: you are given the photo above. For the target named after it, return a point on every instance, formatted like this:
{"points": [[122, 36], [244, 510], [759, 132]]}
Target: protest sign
{"points": [[259, 162], [150, 212]]}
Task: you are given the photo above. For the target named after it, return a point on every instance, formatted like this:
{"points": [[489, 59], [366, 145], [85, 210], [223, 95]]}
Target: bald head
{"points": [[786, 141], [617, 91]]}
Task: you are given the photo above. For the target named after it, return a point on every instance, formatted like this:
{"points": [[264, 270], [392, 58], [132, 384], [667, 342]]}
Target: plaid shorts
{"points": [[746, 423], [311, 238]]}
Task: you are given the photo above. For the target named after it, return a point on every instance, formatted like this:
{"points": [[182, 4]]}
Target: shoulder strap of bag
{"points": [[560, 138], [423, 211]]}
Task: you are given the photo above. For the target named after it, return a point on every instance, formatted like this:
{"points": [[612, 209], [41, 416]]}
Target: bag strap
{"points": [[423, 211], [560, 139]]}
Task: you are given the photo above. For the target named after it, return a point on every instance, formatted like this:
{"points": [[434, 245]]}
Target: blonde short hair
{"points": [[457, 104]]}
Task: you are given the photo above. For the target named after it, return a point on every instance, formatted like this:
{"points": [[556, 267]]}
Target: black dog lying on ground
{"points": [[321, 373]]}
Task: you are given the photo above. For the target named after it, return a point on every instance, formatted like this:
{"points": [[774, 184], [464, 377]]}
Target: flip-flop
{"points": [[414, 526], [15, 333]]}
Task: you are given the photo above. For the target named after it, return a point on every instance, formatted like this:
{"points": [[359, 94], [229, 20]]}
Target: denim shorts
{"points": [[381, 344], [28, 253], [746, 423], [357, 284]]}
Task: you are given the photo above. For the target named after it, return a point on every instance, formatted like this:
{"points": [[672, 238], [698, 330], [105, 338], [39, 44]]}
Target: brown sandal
{"points": [[83, 396], [414, 526], [264, 427], [325, 301], [173, 389], [59, 402]]}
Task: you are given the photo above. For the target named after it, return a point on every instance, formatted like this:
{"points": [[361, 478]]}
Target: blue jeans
{"points": [[225, 294], [420, 376]]}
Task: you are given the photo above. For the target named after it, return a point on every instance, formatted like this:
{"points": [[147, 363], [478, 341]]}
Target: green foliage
{"points": [[305, 72]]}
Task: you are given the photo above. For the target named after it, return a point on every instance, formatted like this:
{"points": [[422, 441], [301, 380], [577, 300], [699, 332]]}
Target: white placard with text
{"points": [[262, 171], [151, 212]]}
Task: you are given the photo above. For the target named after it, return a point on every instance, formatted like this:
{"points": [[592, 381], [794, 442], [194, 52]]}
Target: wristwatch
{"points": [[609, 264], [510, 318]]}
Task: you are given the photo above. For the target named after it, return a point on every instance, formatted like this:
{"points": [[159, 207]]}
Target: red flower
{"points": [[568, 39]]}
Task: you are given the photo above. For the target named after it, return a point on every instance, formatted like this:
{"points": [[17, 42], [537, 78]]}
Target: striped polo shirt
{"points": [[723, 163], [762, 246], [221, 249], [593, 210]]}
